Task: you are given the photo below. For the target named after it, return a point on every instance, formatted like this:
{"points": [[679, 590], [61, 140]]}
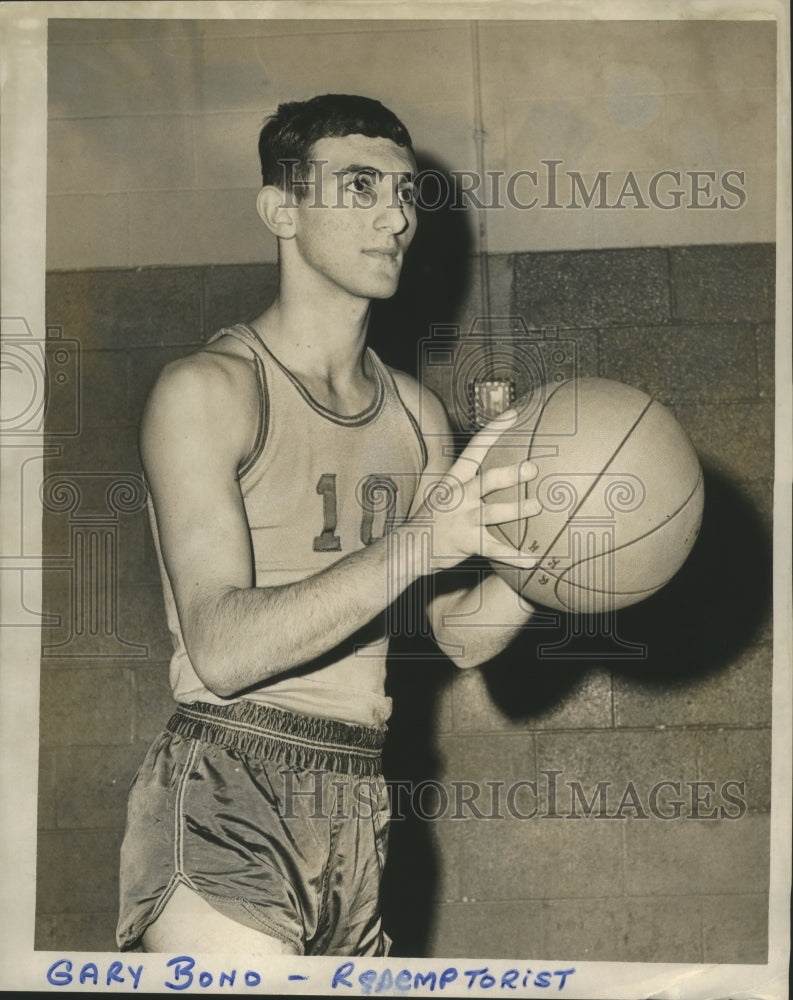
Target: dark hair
{"points": [[287, 138]]}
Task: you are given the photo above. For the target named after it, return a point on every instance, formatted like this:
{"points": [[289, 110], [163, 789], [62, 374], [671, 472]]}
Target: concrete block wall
{"points": [[693, 325]]}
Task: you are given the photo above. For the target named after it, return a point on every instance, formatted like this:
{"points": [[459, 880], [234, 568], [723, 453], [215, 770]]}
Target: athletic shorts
{"points": [[279, 821]]}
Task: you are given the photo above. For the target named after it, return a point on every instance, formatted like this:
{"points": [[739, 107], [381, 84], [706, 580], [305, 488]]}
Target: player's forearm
{"points": [[473, 625], [243, 636]]}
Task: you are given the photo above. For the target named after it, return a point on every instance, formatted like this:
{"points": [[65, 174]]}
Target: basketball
{"points": [[621, 492]]}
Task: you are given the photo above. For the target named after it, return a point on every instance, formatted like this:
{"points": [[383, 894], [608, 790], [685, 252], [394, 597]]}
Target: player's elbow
{"points": [[475, 643], [453, 642], [464, 659], [213, 653], [467, 653], [214, 668], [218, 682]]}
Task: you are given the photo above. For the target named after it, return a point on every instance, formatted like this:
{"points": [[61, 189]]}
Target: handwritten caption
{"points": [[373, 981], [185, 974]]}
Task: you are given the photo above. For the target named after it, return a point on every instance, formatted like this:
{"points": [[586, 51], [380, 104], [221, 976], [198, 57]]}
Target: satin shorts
{"points": [[279, 821]]}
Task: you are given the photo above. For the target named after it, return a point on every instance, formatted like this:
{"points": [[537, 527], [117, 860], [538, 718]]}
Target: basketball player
{"points": [[297, 487]]}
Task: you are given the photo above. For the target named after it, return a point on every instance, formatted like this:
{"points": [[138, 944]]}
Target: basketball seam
{"points": [[646, 534], [625, 545], [588, 493]]}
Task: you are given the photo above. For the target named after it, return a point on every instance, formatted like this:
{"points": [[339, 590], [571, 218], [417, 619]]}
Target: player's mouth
{"points": [[387, 253]]}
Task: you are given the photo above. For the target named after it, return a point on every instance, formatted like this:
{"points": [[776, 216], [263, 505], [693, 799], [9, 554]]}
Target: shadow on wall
{"points": [[435, 283], [715, 607], [416, 679], [435, 280], [719, 602], [699, 623]]}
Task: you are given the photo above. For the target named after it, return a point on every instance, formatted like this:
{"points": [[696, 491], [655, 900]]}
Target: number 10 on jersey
{"points": [[376, 495]]}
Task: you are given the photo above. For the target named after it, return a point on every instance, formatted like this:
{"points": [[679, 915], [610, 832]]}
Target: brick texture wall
{"points": [[692, 325]]}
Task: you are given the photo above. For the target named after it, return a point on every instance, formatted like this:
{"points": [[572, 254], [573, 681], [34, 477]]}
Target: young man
{"points": [[297, 487]]}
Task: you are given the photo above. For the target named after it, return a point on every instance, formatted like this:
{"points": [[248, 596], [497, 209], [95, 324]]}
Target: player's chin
{"points": [[384, 294], [384, 288], [382, 278]]}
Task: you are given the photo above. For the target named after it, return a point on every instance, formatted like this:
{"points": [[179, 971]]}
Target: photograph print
{"points": [[401, 435]]}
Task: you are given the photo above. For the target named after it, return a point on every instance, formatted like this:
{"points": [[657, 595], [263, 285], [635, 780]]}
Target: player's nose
{"points": [[392, 214]]}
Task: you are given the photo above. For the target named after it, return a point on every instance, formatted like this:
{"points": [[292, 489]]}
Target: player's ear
{"points": [[276, 211]]}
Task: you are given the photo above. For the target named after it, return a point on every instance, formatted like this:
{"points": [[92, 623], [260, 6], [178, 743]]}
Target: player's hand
{"points": [[458, 516]]}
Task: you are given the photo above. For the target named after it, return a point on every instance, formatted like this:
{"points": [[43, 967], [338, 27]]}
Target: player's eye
{"points": [[360, 183], [407, 195]]}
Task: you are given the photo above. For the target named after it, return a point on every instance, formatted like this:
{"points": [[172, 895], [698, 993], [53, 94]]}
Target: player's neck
{"points": [[319, 331], [327, 359]]}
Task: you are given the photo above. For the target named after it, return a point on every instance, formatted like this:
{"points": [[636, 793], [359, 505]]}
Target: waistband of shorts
{"points": [[304, 741]]}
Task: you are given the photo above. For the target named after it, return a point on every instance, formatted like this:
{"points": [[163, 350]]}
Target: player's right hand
{"points": [[457, 516]]}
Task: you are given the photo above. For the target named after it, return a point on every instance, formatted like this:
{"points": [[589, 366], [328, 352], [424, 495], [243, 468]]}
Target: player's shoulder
{"points": [[423, 403], [208, 377], [205, 393]]}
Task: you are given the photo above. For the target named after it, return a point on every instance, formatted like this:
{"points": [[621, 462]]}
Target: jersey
{"points": [[317, 486]]}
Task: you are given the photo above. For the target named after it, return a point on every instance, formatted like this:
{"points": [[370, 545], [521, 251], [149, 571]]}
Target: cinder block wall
{"points": [[692, 325]]}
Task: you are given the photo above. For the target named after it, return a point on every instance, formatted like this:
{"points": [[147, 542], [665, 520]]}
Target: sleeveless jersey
{"points": [[317, 486]]}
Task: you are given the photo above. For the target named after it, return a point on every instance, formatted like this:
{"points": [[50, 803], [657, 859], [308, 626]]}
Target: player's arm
{"points": [[473, 621], [198, 426]]}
